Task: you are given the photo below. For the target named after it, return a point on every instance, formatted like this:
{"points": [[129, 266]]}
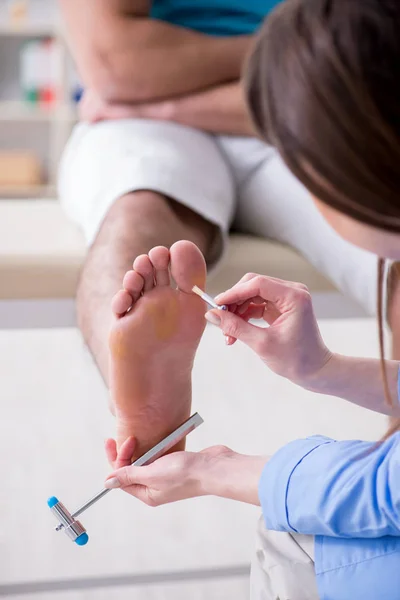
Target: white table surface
{"points": [[54, 421]]}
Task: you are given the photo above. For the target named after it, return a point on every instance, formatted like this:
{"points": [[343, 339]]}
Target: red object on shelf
{"points": [[47, 97]]}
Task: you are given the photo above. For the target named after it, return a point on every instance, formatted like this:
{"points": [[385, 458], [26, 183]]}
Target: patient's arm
{"points": [[221, 109], [125, 56]]}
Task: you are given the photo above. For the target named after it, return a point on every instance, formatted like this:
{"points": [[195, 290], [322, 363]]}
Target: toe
{"points": [[143, 267], [188, 267], [134, 284], [121, 303], [159, 257]]}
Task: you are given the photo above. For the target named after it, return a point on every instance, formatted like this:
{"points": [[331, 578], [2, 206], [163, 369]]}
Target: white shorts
{"points": [[227, 180]]}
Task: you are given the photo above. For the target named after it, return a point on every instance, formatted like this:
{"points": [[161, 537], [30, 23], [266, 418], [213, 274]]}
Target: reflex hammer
{"points": [[67, 521]]}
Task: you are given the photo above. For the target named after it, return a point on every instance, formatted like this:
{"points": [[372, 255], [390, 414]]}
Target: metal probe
{"points": [[208, 299]]}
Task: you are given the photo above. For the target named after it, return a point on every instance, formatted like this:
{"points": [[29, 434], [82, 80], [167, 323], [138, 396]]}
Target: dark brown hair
{"points": [[323, 87]]}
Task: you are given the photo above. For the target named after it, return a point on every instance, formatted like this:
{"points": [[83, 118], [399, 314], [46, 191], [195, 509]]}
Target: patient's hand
{"points": [[92, 108]]}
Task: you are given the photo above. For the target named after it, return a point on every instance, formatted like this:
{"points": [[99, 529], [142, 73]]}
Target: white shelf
{"points": [[28, 30], [28, 191], [23, 111], [50, 126]]}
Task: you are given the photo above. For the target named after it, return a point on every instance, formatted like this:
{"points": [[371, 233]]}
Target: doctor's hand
{"points": [[177, 476], [292, 345]]}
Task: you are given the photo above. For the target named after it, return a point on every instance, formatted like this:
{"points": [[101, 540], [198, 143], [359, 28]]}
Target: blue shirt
{"points": [[215, 17], [347, 494]]}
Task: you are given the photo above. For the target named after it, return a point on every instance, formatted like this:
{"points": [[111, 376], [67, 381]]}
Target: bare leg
{"points": [[137, 222]]}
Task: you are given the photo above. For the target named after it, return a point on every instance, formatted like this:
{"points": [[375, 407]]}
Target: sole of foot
{"points": [[153, 342]]}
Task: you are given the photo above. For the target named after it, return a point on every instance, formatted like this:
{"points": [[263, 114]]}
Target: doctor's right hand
{"points": [[292, 345]]}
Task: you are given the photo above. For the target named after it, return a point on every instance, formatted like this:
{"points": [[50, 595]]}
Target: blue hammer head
{"points": [[74, 529]]}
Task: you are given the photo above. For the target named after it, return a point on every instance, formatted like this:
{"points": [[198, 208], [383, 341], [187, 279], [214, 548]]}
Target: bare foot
{"points": [[153, 342]]}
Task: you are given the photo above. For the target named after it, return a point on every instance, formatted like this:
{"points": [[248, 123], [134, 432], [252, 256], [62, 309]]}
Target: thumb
{"points": [[126, 476], [236, 327]]}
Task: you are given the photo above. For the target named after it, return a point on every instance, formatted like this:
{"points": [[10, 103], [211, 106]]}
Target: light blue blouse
{"points": [[347, 494]]}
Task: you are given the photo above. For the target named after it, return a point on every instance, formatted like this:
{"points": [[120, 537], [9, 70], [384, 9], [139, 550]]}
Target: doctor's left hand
{"points": [[180, 475]]}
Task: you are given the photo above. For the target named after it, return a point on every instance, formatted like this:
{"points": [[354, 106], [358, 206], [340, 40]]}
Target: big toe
{"points": [[188, 267]]}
